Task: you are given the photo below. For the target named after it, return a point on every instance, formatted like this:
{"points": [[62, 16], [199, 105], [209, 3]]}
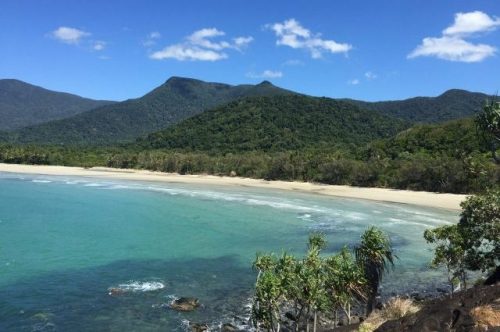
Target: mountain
{"points": [[23, 104], [177, 99], [452, 104], [277, 123]]}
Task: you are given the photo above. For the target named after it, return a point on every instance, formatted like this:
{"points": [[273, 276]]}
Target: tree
{"points": [[472, 244], [301, 289], [488, 122], [345, 282], [480, 228], [448, 252], [374, 255]]}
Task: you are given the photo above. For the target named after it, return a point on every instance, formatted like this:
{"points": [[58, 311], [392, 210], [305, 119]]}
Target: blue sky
{"points": [[370, 50]]}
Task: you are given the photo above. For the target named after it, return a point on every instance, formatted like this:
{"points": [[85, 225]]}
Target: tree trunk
{"points": [[348, 313], [315, 320], [370, 305]]}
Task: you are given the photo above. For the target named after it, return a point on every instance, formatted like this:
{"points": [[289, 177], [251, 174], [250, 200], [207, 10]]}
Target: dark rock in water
{"points": [[441, 290], [185, 304], [493, 278], [115, 291], [290, 316], [227, 327], [195, 327]]}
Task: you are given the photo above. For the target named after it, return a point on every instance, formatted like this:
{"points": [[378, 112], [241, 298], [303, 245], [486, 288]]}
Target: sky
{"points": [[368, 50]]}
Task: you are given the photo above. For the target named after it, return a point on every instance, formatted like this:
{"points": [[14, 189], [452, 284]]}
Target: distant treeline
{"points": [[440, 158]]}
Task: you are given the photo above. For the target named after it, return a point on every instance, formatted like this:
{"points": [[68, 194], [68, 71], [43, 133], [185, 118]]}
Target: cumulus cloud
{"points": [[354, 81], [452, 45], [471, 23], [151, 39], [370, 75], [69, 35], [202, 46], [240, 42], [293, 62], [453, 49], [99, 45], [266, 74], [185, 52], [292, 34], [154, 35]]}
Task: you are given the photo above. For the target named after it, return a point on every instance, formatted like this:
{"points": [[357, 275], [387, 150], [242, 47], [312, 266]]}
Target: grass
{"points": [[395, 308], [486, 317]]}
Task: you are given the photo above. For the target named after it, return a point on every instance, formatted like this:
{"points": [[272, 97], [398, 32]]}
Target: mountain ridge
{"points": [[180, 98], [23, 104], [173, 101], [450, 105]]}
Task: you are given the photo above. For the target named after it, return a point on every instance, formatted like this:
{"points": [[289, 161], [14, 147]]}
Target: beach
{"points": [[421, 198]]}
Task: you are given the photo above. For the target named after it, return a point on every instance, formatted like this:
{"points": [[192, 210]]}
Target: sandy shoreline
{"points": [[428, 199]]}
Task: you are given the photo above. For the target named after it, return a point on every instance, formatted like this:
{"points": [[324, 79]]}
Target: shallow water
{"points": [[65, 241]]}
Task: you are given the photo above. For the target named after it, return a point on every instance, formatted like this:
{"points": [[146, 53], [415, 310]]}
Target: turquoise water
{"points": [[65, 241]]}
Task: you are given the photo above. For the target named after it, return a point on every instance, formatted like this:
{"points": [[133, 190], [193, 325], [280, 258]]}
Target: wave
{"points": [[342, 211], [41, 181], [137, 286], [93, 184]]}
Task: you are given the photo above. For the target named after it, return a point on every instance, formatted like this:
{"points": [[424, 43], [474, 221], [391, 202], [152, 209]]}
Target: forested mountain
{"points": [[175, 100], [278, 123], [23, 104], [452, 104]]}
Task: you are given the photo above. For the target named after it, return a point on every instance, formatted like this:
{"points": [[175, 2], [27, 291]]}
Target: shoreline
{"points": [[420, 198]]}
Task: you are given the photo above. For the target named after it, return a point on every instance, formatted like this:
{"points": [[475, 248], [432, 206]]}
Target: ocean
{"points": [[66, 241]]}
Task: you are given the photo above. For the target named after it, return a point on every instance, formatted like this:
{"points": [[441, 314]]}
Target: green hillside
{"points": [[23, 104], [453, 104], [278, 123], [170, 103]]}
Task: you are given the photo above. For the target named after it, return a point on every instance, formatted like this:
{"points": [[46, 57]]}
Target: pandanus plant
{"points": [[375, 255]]}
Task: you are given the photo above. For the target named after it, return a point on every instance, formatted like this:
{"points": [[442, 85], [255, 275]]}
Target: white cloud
{"points": [[453, 49], [69, 35], [471, 23], [370, 75], [291, 33], [293, 62], [187, 52], [266, 74], [151, 39], [99, 45], [241, 42], [202, 38], [154, 35], [452, 45], [354, 81], [200, 46]]}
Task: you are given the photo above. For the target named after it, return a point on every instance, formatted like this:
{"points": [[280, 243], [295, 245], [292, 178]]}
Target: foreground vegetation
{"points": [[298, 291], [289, 288], [471, 245]]}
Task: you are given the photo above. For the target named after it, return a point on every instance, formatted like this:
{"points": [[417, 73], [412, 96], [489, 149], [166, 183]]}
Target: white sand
{"points": [[422, 198]]}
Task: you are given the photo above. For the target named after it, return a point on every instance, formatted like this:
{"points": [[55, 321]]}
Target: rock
{"points": [[493, 278], [196, 327], [232, 174], [185, 304], [228, 327], [115, 291], [290, 316], [460, 313], [442, 290]]}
